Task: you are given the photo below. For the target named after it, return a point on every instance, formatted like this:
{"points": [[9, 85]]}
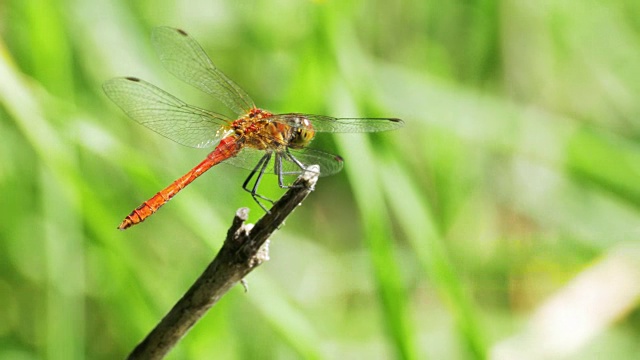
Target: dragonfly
{"points": [[257, 140]]}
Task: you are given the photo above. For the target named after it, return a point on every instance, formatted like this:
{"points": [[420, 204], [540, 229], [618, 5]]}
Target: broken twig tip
{"points": [[311, 175], [242, 213]]}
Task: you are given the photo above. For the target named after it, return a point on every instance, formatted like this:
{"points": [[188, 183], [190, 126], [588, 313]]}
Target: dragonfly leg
{"points": [[259, 170], [278, 167], [296, 161], [278, 170]]}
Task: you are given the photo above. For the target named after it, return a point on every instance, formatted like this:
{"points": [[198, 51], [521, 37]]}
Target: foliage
{"points": [[503, 219]]}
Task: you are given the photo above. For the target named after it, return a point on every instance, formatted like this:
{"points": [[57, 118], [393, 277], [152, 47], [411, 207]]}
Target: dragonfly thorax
{"points": [[262, 130]]}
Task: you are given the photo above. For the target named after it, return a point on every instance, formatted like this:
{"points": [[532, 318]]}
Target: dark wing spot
{"points": [[131, 78], [182, 32]]}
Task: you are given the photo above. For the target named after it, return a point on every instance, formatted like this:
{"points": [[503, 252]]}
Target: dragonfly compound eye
{"points": [[302, 132], [301, 137]]}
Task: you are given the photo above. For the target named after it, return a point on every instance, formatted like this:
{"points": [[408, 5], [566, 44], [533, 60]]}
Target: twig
{"points": [[241, 252]]}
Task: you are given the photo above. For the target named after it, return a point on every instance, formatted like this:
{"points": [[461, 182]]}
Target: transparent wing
{"points": [[329, 163], [166, 114], [182, 56], [323, 123]]}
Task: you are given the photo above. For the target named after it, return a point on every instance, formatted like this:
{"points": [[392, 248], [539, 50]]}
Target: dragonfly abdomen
{"points": [[227, 148]]}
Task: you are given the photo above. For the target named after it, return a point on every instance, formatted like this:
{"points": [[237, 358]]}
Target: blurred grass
{"points": [[516, 173]]}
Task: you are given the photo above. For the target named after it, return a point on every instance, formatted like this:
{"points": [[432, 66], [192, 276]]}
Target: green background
{"points": [[502, 221]]}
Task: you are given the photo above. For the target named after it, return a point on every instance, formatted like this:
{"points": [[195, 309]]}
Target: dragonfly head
{"points": [[302, 132]]}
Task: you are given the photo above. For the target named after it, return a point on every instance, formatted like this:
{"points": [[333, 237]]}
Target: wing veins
{"points": [[184, 57]]}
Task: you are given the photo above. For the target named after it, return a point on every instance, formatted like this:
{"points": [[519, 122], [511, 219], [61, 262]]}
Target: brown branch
{"points": [[241, 252]]}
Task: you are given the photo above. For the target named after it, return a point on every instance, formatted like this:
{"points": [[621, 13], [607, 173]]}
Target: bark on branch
{"points": [[241, 252]]}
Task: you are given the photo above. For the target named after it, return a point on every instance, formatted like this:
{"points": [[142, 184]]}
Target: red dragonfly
{"points": [[257, 140]]}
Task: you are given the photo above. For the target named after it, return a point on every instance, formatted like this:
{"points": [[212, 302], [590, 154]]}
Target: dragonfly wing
{"points": [[323, 123], [247, 158], [166, 114], [182, 56], [329, 163]]}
